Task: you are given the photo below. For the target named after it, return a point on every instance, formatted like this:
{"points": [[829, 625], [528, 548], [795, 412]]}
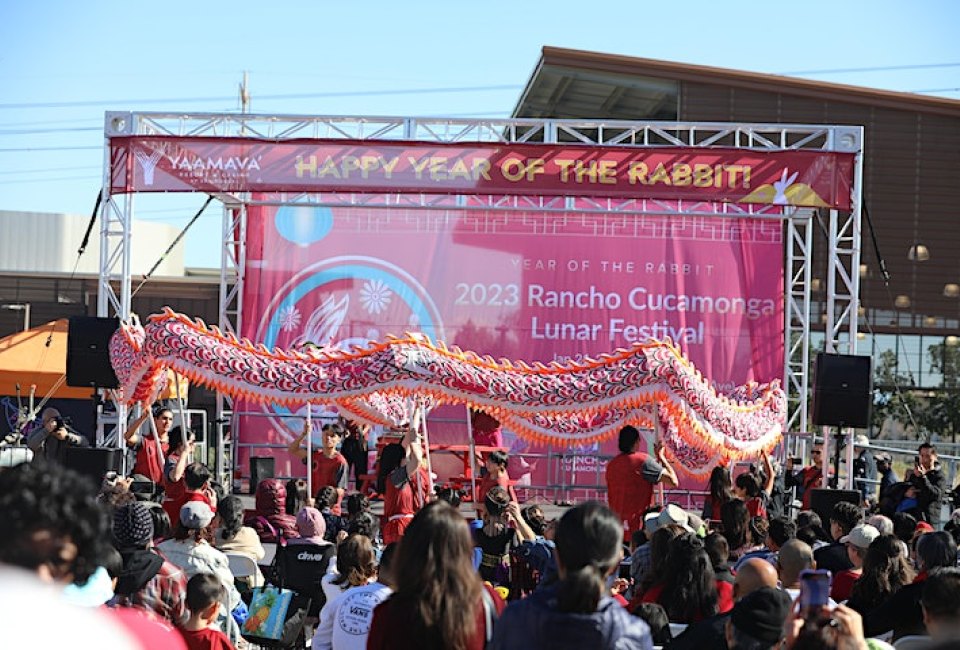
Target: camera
{"points": [[61, 422]]}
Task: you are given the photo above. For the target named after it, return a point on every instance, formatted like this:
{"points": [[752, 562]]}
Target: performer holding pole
{"points": [[402, 481], [328, 467]]}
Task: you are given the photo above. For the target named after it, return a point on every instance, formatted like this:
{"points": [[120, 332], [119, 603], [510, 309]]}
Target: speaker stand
{"points": [[837, 447]]}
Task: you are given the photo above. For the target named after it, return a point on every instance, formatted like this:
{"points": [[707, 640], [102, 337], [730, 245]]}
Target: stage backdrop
{"points": [[521, 285]]}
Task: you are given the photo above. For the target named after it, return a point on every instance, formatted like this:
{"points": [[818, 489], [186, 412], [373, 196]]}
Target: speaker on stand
{"points": [[842, 396]]}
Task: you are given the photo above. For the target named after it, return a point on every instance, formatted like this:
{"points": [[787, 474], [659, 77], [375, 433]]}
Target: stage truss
{"points": [[843, 230]]}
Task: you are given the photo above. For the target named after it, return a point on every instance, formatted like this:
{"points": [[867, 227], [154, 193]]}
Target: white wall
{"points": [[45, 242]]}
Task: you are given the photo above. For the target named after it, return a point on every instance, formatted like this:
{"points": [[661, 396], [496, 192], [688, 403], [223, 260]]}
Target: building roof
{"points": [[577, 83]]}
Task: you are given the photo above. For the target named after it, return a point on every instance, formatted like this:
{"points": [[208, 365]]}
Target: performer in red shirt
{"points": [[404, 483], [807, 478], [496, 465], [631, 477], [328, 466], [151, 448]]}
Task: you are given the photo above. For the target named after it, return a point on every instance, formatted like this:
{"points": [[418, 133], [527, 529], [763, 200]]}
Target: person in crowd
{"points": [[709, 634], [631, 477], [356, 504], [888, 478], [354, 450], [756, 621], [270, 519], [537, 555], [865, 470], [720, 490], [152, 447], [328, 467], [147, 581], [902, 612], [233, 537], [810, 529], [190, 548], [718, 550], [52, 524], [858, 542], [115, 491], [794, 558], [659, 549], [296, 496], [886, 569], [640, 557], [162, 528], [363, 524], [927, 486], [326, 502], [755, 494], [904, 526], [356, 566], [503, 529], [806, 479], [882, 523], [758, 533], [196, 488], [179, 452], [496, 465], [940, 601], [735, 519], [403, 482], [204, 593], [438, 601], [50, 441], [832, 627], [843, 518], [780, 531], [577, 611], [311, 528], [689, 591], [345, 620]]}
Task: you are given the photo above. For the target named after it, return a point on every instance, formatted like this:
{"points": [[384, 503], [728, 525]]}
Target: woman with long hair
{"points": [[735, 519], [233, 537], [721, 491], [659, 547], [690, 591], [577, 611], [439, 601], [885, 570]]}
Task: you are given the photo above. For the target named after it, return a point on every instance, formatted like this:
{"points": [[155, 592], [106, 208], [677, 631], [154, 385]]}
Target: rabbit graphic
{"points": [[780, 187]]}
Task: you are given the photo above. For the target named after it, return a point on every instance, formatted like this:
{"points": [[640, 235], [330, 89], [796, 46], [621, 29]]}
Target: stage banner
{"points": [[716, 174], [520, 285]]}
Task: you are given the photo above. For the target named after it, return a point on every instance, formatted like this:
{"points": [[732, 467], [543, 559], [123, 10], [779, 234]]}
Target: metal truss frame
{"points": [[844, 231]]}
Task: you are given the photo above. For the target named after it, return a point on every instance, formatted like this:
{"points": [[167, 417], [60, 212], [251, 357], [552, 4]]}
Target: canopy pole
{"points": [[473, 462]]}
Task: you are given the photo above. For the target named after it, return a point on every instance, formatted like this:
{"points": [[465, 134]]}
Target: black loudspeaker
{"points": [[260, 468], [822, 502], [842, 391], [88, 352], [94, 462]]}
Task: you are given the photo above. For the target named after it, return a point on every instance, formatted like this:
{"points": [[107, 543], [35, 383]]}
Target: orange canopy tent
{"points": [[26, 359]]}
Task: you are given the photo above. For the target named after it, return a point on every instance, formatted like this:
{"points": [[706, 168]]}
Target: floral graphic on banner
{"points": [[375, 297]]}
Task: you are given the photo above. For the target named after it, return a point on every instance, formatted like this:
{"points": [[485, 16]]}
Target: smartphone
{"points": [[624, 571], [814, 591], [797, 460]]}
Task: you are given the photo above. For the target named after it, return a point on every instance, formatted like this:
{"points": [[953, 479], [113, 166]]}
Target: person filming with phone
{"points": [[923, 487], [51, 441]]}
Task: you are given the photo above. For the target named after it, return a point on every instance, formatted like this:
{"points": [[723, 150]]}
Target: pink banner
{"points": [[718, 174], [530, 286]]}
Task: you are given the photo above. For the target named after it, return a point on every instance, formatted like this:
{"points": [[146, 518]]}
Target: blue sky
{"points": [[63, 63]]}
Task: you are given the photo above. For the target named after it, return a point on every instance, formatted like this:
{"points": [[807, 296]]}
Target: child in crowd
{"points": [[204, 593]]}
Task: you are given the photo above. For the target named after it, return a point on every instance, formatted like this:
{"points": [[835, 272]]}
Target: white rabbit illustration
{"points": [[324, 323], [780, 187]]}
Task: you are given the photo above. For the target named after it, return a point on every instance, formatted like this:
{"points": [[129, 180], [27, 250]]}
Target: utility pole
{"points": [[245, 93]]}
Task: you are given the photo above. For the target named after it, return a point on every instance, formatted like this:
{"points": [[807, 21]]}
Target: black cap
{"points": [[761, 614]]}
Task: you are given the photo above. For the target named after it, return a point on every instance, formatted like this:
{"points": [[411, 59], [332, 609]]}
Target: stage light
{"points": [[952, 341], [930, 321], [864, 270], [902, 301], [918, 253], [951, 290]]}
